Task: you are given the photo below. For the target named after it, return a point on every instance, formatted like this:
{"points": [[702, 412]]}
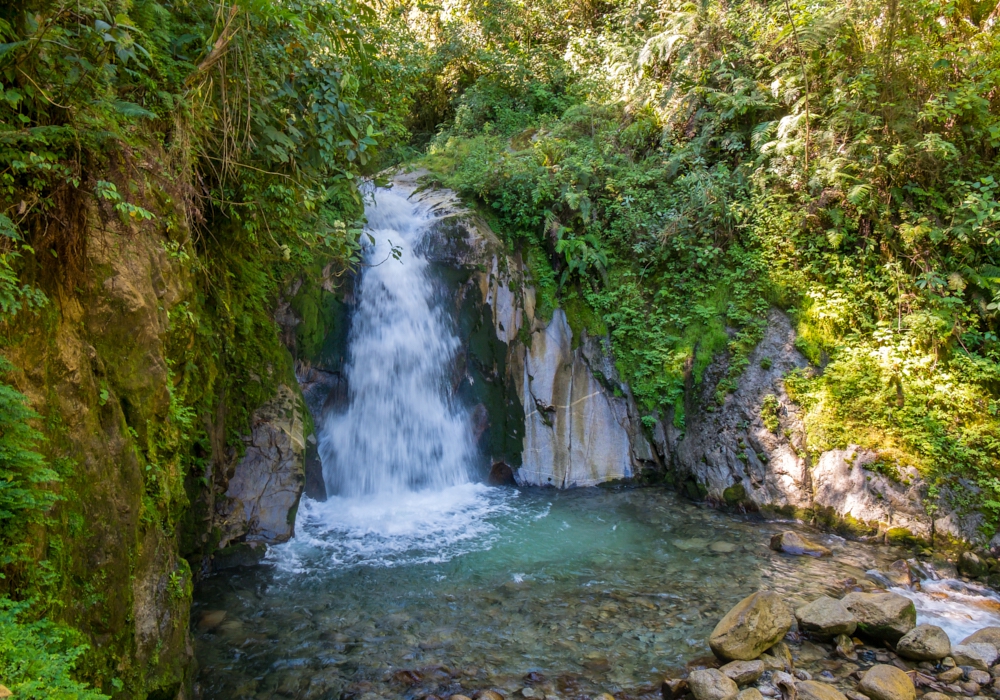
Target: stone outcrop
{"points": [[264, 490], [579, 425]]}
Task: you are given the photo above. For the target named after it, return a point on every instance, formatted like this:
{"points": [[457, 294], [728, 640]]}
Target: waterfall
{"points": [[400, 431]]}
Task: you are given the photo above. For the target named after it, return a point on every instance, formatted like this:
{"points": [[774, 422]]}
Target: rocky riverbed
{"points": [[570, 594]]}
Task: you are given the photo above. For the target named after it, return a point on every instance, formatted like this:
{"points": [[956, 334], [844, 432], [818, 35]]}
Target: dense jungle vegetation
{"points": [[669, 170]]}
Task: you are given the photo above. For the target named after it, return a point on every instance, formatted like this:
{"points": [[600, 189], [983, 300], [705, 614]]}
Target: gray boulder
{"points": [[826, 617], [979, 655], [988, 635], [885, 616], [711, 684], [924, 643], [755, 624]]}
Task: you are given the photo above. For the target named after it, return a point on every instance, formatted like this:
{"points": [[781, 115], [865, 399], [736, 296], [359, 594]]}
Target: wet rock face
{"points": [[732, 445], [264, 490]]}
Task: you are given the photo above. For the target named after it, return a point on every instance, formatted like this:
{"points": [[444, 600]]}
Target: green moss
{"points": [[581, 317], [734, 495]]}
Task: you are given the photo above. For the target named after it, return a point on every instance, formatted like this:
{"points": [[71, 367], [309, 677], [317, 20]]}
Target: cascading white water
{"points": [[400, 431], [396, 458]]}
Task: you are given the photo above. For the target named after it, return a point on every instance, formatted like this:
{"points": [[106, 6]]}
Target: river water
{"points": [[412, 579]]}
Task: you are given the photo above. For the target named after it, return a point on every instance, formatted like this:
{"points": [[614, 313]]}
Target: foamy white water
{"points": [[956, 607], [400, 432], [396, 459]]}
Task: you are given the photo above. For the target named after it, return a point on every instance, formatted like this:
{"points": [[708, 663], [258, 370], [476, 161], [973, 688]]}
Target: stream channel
{"points": [[413, 579]]}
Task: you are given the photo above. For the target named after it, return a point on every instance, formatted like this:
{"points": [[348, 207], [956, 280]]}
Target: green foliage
{"points": [[37, 659], [769, 408]]}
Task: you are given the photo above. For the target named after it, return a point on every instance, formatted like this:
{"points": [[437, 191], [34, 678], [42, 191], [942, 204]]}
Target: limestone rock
{"points": [[988, 635], [884, 682], [826, 617], [979, 655], [711, 684], [574, 431], [750, 694], [813, 690], [264, 491], [924, 643], [756, 623], [743, 672], [793, 543], [885, 616]]}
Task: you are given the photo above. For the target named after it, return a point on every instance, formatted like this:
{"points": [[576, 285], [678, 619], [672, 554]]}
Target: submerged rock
{"points": [[712, 684], [886, 616], [757, 623], [924, 643], [826, 617], [793, 543], [884, 682], [814, 690]]}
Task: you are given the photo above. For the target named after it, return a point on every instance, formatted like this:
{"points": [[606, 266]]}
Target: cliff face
{"points": [[135, 413]]}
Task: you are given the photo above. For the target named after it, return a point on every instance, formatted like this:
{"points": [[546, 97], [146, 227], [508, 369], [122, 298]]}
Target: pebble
{"points": [[803, 675], [951, 675]]}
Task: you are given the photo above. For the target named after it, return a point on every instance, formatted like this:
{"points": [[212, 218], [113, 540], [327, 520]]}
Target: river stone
{"points": [[978, 677], [826, 617], [757, 623], [750, 694], [977, 654], [924, 643], [987, 635], [886, 616], [884, 682], [951, 675], [934, 696], [712, 684], [793, 543], [970, 565], [487, 695], [743, 672], [814, 690], [458, 697], [899, 573]]}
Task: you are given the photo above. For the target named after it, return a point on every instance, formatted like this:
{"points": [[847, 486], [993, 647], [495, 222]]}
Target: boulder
{"points": [[884, 682], [712, 684], [924, 643], [813, 690], [987, 635], [977, 655], [793, 543], [743, 672], [826, 617], [885, 616], [971, 565], [898, 573], [757, 623]]}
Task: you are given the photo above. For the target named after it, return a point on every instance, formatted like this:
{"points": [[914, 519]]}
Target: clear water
{"points": [[411, 579]]}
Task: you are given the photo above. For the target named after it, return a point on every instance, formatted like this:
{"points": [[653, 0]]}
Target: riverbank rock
{"points": [[971, 565], [793, 543], [884, 682], [976, 654], [886, 616], [924, 643], [712, 684], [826, 617], [987, 635], [899, 574], [743, 672], [814, 690], [750, 694], [757, 623]]}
